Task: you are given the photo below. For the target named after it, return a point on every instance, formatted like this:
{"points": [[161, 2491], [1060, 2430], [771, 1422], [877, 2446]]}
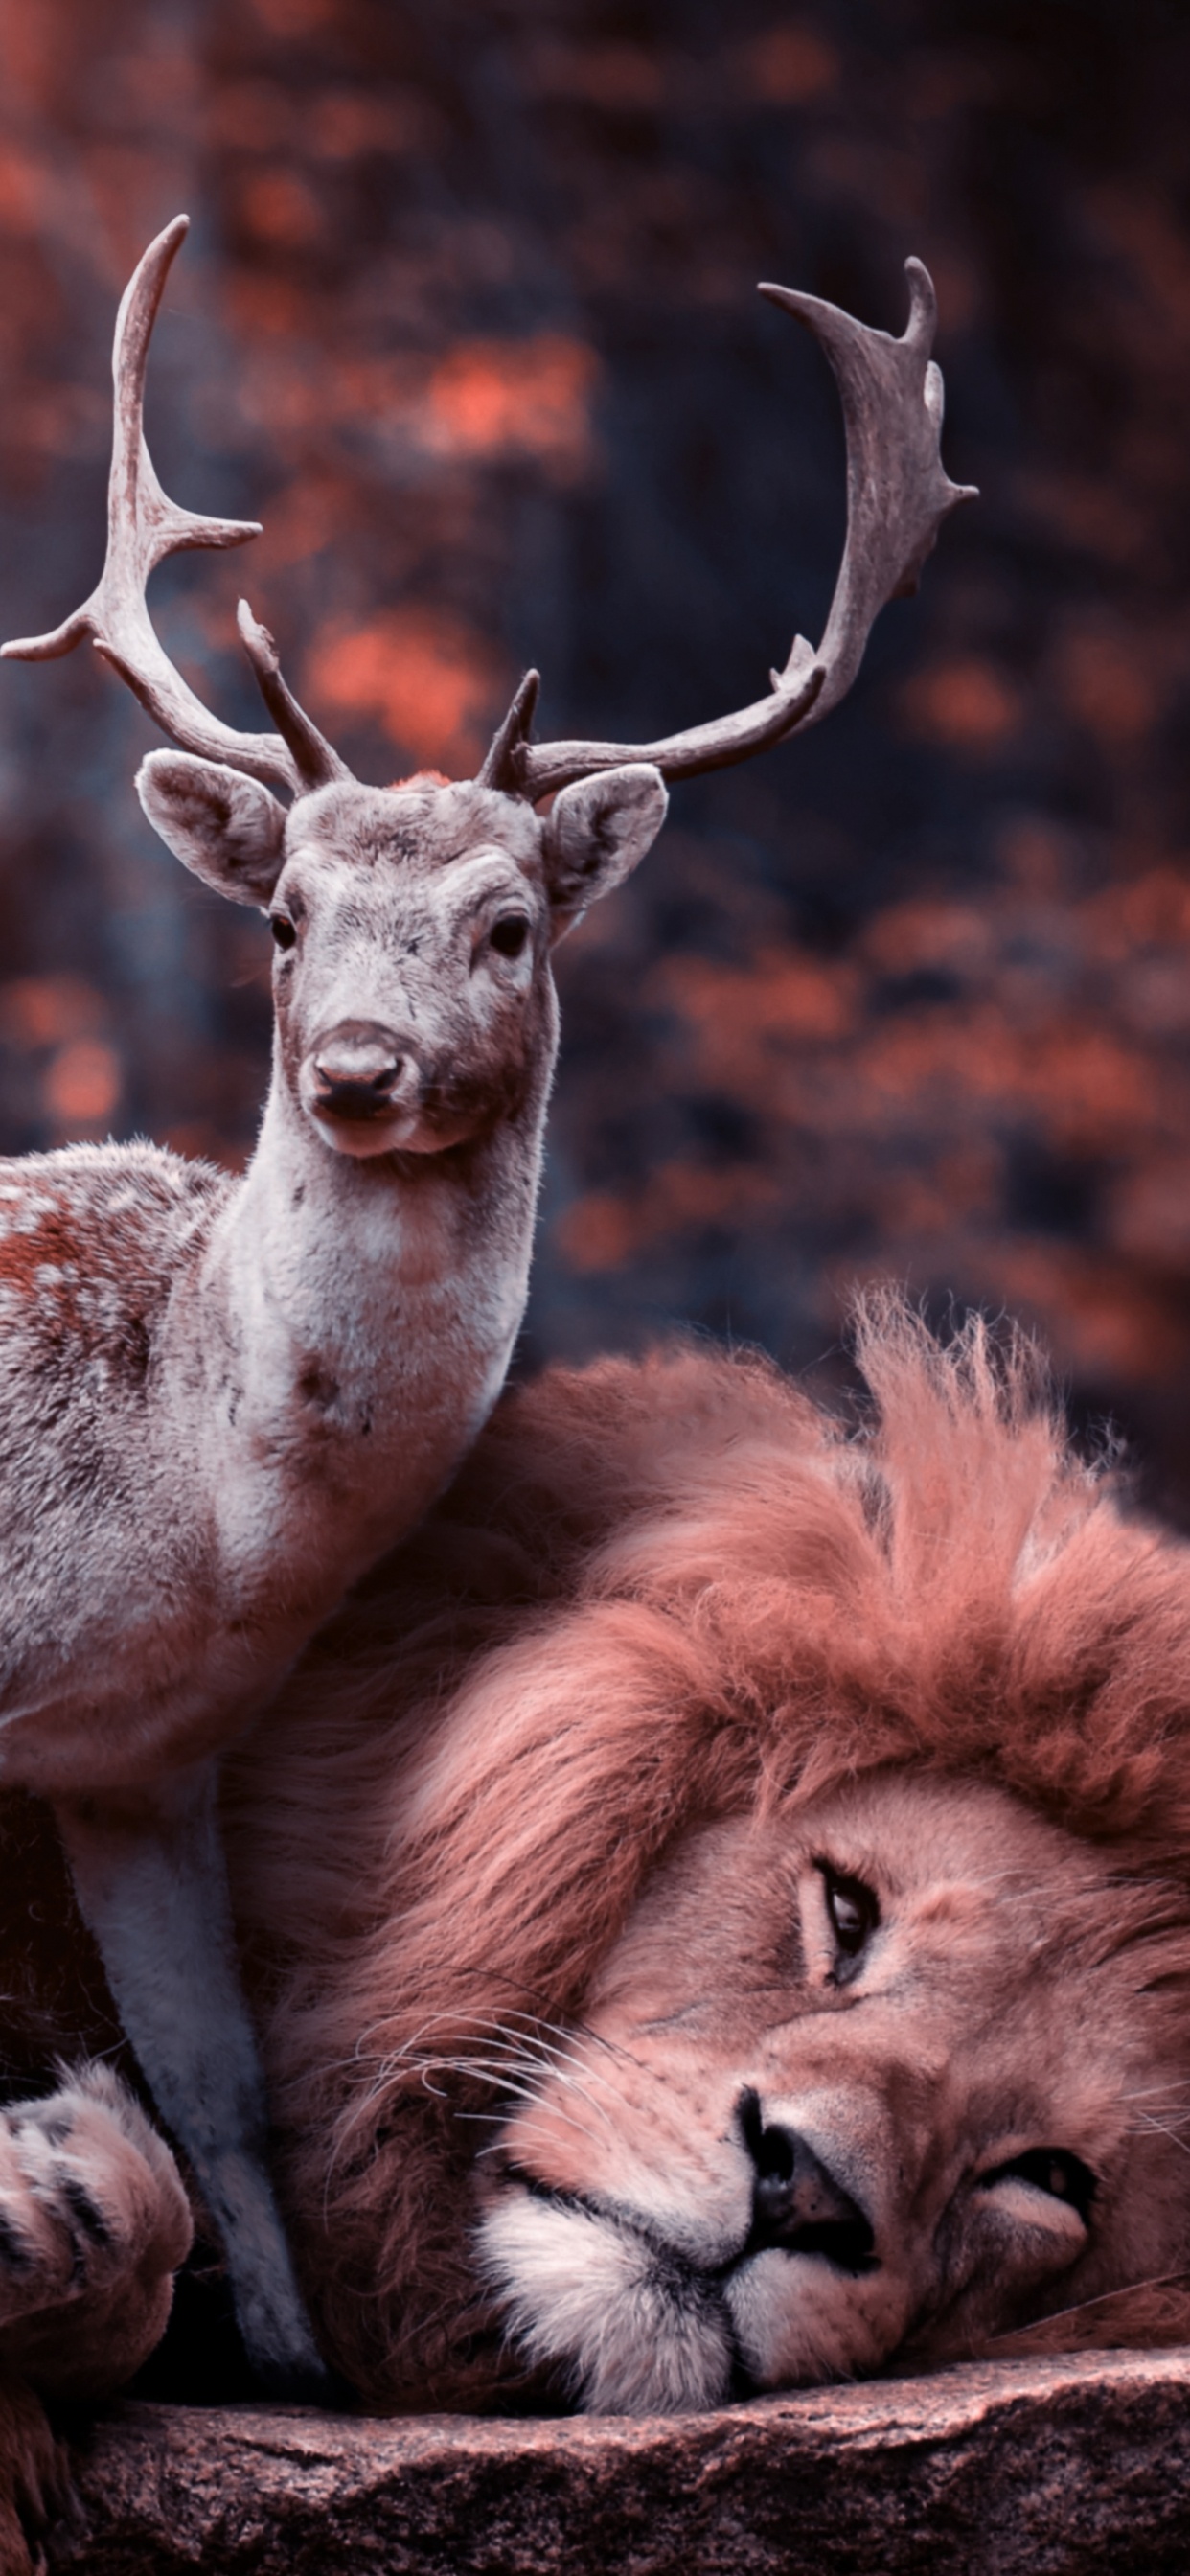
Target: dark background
{"points": [[468, 317]]}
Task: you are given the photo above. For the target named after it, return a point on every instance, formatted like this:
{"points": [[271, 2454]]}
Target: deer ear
{"points": [[226, 827], [598, 831]]}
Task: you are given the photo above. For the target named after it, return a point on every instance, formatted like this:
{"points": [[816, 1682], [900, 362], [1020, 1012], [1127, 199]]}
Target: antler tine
{"points": [[316, 763], [500, 764], [898, 494], [143, 528]]}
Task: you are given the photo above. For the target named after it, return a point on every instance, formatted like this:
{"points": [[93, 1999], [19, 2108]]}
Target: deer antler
{"points": [[143, 528], [898, 494]]}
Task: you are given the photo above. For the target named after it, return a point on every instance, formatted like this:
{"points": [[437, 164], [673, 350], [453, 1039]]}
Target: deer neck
{"points": [[325, 1243], [399, 1285]]}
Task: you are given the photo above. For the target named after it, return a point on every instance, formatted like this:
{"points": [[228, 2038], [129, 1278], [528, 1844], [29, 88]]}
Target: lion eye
{"points": [[1054, 2170], [852, 1908]]}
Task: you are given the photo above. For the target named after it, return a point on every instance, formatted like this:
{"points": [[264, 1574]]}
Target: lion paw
{"points": [[93, 2225]]}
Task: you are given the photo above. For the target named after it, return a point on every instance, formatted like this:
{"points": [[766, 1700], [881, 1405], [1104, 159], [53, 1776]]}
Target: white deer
{"points": [[224, 1398]]}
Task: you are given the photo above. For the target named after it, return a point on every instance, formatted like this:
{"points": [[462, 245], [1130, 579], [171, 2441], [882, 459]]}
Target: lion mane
{"points": [[682, 1657], [664, 1592]]}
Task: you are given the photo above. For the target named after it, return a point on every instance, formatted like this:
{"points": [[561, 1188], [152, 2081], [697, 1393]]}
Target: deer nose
{"points": [[797, 2203], [358, 1070]]}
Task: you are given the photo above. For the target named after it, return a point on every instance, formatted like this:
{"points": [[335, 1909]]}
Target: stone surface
{"points": [[1040, 2468]]}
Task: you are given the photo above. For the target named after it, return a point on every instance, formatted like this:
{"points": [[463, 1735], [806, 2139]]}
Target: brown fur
{"points": [[34, 2479], [662, 1593], [548, 1794]]}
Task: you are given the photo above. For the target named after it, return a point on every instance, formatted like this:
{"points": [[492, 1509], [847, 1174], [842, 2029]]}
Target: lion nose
{"points": [[797, 2203], [359, 1070]]}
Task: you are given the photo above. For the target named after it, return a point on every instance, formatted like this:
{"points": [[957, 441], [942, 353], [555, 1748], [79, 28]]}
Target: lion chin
{"points": [[718, 1908]]}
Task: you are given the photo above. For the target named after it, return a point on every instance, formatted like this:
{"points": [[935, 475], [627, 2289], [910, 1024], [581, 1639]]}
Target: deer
{"points": [[227, 1397]]}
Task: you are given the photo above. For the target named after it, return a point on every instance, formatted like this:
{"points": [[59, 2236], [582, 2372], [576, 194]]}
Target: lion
{"points": [[717, 1907]]}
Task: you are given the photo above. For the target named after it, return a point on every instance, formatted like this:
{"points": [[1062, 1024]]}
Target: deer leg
{"points": [[151, 1883]]}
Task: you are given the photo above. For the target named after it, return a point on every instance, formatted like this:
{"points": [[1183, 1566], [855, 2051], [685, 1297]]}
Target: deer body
{"points": [[208, 1465], [222, 1400], [225, 1399]]}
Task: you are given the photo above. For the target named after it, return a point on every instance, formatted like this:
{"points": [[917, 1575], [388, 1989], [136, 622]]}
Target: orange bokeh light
{"points": [[83, 1083], [424, 676], [967, 704], [532, 396]]}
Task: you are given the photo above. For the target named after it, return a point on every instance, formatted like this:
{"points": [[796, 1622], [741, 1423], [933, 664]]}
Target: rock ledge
{"points": [[1039, 2468]]}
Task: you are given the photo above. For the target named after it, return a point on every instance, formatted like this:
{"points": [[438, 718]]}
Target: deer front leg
{"points": [[152, 1886]]}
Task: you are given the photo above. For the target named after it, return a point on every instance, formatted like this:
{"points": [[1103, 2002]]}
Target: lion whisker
{"points": [[509, 2078], [1154, 2128], [561, 2065], [530, 2129], [1078, 2307], [522, 2084]]}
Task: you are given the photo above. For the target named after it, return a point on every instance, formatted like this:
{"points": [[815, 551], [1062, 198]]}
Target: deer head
{"points": [[413, 924]]}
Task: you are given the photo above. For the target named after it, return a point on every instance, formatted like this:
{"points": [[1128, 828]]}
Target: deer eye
{"points": [[852, 1909], [283, 931], [509, 934]]}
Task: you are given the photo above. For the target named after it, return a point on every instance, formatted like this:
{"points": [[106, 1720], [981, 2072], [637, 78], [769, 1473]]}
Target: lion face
{"points": [[875, 2079]]}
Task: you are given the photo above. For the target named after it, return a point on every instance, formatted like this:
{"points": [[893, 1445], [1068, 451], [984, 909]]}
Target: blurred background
{"points": [[468, 317]]}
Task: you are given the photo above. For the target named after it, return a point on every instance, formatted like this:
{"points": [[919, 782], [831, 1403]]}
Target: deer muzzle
{"points": [[364, 1087], [361, 1073]]}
